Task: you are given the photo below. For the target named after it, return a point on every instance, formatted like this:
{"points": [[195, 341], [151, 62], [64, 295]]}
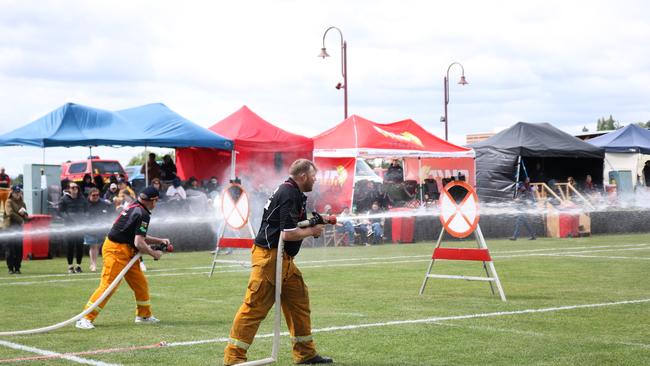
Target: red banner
{"points": [[438, 168], [334, 183]]}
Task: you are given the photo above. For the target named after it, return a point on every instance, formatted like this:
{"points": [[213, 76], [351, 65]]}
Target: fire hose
{"points": [[109, 290]]}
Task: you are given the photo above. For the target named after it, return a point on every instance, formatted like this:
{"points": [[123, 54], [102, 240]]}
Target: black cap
{"points": [[149, 193]]}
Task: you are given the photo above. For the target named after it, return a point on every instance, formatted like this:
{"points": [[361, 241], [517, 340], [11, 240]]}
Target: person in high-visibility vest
{"points": [[128, 236], [282, 212]]}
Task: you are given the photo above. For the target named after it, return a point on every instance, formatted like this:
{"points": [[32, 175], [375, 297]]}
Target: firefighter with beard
{"points": [[284, 209]]}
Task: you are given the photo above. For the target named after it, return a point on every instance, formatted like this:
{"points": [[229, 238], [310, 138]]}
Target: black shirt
{"points": [[131, 222], [282, 212]]}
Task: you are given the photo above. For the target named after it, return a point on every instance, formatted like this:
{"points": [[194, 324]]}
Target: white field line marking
{"points": [[43, 352], [429, 320], [493, 329], [301, 262], [559, 254], [642, 345], [604, 257]]}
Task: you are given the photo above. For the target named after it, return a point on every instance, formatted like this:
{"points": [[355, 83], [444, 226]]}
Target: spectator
{"points": [[176, 195], [345, 225], [125, 192], [5, 180], [383, 198], [157, 184], [376, 223], [65, 185], [99, 183], [367, 195], [151, 168], [86, 185], [327, 210], [589, 186], [395, 173], [73, 208], [99, 211], [212, 187], [646, 173], [168, 169], [524, 200], [111, 193], [16, 215], [194, 185]]}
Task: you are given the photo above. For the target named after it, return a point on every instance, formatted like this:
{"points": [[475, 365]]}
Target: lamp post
{"points": [[461, 82], [344, 67]]}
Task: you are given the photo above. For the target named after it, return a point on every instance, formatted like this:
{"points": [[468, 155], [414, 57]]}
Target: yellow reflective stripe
{"points": [[90, 303], [143, 303], [238, 343], [302, 339]]}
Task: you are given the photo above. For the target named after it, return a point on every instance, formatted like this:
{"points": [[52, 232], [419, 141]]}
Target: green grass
{"points": [[378, 289]]}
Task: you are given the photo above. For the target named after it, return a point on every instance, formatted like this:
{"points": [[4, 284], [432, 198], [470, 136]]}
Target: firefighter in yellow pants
{"points": [[128, 236], [284, 209]]}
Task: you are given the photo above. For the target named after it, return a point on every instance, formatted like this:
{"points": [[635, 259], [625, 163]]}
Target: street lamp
{"points": [[344, 67], [461, 82]]}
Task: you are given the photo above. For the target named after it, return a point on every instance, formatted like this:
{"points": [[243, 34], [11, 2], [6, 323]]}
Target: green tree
{"points": [[585, 129], [143, 156], [607, 124]]}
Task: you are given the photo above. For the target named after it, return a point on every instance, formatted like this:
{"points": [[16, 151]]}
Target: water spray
{"points": [[116, 281]]}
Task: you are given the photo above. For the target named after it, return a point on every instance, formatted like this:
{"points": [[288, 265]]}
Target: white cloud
{"points": [[567, 63]]}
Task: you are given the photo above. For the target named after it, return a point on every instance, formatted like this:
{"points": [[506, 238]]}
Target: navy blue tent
{"points": [[148, 125], [631, 138]]}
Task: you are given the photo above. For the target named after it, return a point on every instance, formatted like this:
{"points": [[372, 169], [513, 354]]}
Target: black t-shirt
{"points": [[282, 212], [131, 222]]}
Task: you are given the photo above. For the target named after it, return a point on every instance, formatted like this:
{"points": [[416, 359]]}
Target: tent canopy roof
{"points": [[539, 140], [147, 125], [631, 138], [357, 136], [251, 132]]}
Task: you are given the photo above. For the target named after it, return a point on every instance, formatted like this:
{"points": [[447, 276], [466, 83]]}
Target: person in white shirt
{"points": [[176, 192]]}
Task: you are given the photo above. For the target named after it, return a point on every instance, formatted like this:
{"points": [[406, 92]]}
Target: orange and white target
{"points": [[235, 206], [459, 209]]}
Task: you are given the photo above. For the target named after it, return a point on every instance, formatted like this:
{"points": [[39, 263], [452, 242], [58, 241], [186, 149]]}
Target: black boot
{"points": [[316, 360]]}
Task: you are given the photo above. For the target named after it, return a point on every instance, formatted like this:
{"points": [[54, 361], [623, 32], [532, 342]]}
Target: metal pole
{"points": [[446, 82], [345, 78]]}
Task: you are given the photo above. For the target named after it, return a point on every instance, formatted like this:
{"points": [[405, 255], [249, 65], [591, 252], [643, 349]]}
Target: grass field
{"points": [[579, 301]]}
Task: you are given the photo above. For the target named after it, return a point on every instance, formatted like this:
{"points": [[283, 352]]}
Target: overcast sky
{"points": [[564, 62]]}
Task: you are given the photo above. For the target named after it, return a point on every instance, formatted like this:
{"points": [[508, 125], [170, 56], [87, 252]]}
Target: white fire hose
{"points": [[92, 307]]}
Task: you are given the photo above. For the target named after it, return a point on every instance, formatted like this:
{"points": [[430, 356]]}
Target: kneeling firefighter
{"points": [[127, 237], [282, 214]]}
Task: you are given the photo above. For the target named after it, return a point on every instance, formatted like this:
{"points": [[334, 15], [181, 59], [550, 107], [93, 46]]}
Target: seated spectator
{"points": [[327, 210], [176, 192], [111, 193], [151, 167], [345, 224], [86, 185], [167, 169], [395, 173], [193, 187], [375, 223], [157, 184], [112, 179], [212, 187]]}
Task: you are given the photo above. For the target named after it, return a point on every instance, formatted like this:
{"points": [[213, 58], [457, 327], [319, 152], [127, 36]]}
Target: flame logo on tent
{"points": [[402, 137], [333, 177]]}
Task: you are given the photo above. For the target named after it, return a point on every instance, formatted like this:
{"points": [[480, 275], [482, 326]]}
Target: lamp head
{"points": [[339, 86], [462, 80], [323, 53], [442, 119]]}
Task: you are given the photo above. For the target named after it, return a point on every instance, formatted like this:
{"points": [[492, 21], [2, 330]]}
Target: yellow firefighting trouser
{"points": [[259, 299], [115, 257]]}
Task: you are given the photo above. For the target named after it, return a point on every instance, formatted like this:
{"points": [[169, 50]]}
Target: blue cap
{"points": [[17, 188]]}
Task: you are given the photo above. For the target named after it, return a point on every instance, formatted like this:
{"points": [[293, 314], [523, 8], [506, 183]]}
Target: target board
{"points": [[459, 215]]}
